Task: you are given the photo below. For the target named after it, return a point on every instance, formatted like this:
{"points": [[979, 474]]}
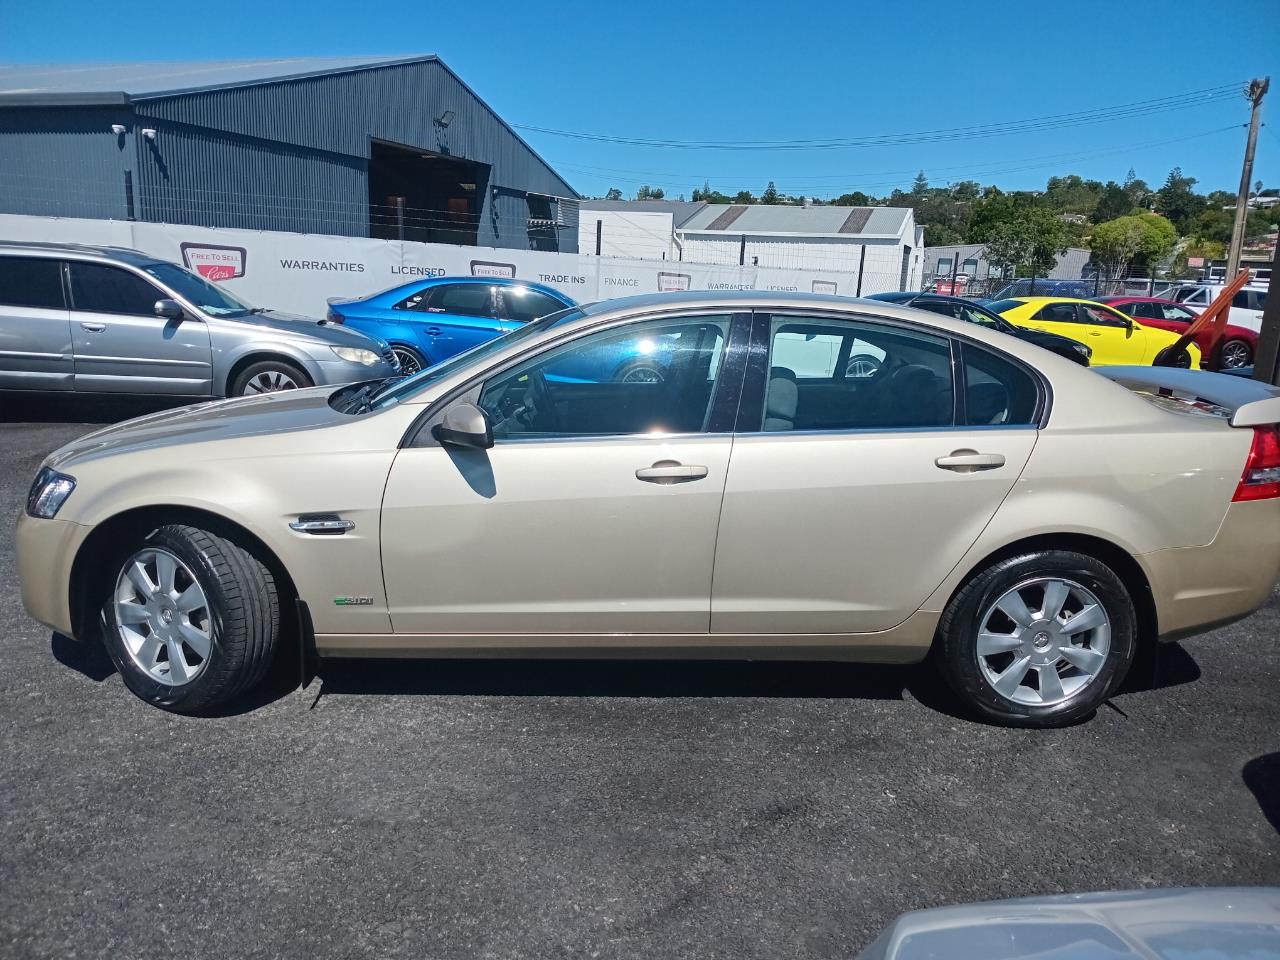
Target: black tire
{"points": [[956, 651], [640, 371], [1236, 353], [408, 356], [269, 370], [243, 612]]}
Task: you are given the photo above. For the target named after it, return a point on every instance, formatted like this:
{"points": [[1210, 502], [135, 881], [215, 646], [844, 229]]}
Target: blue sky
{"points": [[745, 71]]}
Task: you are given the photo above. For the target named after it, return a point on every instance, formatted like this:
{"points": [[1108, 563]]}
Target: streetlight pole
{"points": [[1256, 91]]}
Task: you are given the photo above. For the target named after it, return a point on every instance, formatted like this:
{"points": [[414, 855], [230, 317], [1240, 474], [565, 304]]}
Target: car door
{"points": [[835, 526], [121, 346], [1114, 337], [595, 510], [459, 316], [35, 326]]}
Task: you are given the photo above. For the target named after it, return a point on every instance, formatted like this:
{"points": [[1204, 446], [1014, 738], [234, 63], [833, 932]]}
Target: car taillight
{"points": [[333, 316], [1261, 479]]}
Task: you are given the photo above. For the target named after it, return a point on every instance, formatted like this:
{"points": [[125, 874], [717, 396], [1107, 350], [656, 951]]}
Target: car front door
{"points": [[853, 492], [121, 346], [459, 316], [595, 510], [1114, 337], [35, 327]]}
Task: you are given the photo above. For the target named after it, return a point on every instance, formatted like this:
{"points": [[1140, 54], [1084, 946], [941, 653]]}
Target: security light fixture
{"points": [[149, 132], [118, 129], [445, 118]]}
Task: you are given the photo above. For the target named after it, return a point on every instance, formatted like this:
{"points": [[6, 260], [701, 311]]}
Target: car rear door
{"points": [[843, 516], [35, 326], [121, 346], [459, 316], [594, 512]]}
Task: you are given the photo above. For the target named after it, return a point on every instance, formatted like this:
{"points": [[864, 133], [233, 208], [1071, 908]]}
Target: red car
{"points": [[1238, 343]]}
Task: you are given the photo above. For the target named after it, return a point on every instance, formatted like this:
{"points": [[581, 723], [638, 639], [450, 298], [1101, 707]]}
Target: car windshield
{"points": [[196, 290], [396, 390]]}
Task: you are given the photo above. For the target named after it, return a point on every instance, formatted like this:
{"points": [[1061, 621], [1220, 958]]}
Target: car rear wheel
{"points": [[640, 371], [1236, 354], [411, 361], [268, 376], [1038, 640], [191, 619]]}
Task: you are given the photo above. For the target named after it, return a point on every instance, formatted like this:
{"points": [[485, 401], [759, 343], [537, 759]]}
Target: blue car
{"points": [[427, 321]]}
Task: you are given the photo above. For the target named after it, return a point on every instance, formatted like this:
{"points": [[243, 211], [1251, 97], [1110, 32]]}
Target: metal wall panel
{"points": [[64, 162]]}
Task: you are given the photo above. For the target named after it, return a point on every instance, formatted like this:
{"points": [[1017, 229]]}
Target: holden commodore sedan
{"points": [[1028, 524]]}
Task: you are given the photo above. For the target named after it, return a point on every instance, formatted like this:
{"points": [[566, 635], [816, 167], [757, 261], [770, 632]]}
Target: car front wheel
{"points": [[191, 619], [1038, 640], [267, 376]]}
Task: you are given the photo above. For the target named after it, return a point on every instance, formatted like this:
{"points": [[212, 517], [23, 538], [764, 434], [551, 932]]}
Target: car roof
{"points": [[83, 250], [487, 281], [1055, 300]]}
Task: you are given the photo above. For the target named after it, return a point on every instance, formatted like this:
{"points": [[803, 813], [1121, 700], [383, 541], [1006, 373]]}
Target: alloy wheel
{"points": [[269, 381], [1235, 354], [642, 373], [409, 363], [1042, 642], [163, 617]]}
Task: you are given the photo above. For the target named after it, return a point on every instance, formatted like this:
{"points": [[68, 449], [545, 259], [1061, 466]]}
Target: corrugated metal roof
{"points": [[153, 79], [805, 221]]}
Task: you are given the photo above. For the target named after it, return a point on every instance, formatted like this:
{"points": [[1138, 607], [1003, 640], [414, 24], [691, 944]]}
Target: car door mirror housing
{"points": [[170, 309], [464, 425]]}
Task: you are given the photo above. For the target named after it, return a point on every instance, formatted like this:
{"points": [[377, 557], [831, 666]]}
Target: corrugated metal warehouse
{"points": [[338, 145]]}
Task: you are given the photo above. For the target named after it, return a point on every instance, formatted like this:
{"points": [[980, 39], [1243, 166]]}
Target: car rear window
{"points": [[31, 282], [1000, 306]]}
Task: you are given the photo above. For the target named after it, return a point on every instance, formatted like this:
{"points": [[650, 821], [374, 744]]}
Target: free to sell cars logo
{"points": [[487, 268], [671, 282], [214, 262], [824, 286]]}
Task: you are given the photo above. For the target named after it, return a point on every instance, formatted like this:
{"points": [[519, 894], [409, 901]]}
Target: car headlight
{"points": [[1083, 349], [48, 493], [356, 355]]}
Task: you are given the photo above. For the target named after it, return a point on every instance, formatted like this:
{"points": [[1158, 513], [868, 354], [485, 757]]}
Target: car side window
{"points": [[1169, 312], [1099, 316], [826, 374], [996, 391], [656, 376], [31, 282], [1057, 313], [522, 304], [416, 301], [1141, 310], [101, 288], [463, 299]]}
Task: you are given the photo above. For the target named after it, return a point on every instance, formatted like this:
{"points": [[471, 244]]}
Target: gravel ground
{"points": [[629, 810]]}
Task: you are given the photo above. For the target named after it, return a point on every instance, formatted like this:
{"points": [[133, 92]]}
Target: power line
{"points": [[1183, 101]]}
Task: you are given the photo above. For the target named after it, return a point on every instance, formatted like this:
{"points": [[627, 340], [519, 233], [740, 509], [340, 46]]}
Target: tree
{"points": [[966, 190], [921, 185], [1072, 194], [704, 193], [647, 193], [1177, 201], [770, 194], [1008, 244], [1145, 237], [855, 199], [1114, 202], [613, 194]]}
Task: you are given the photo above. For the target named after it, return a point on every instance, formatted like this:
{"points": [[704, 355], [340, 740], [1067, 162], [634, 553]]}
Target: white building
{"points": [[880, 244]]}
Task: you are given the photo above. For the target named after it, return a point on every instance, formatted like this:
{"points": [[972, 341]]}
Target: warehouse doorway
{"points": [[423, 196]]}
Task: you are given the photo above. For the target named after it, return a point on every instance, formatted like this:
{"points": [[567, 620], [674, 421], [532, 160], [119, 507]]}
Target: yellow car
{"points": [[1114, 337]]}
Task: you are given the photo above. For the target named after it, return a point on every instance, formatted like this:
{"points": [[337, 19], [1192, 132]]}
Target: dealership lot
{"points": [[616, 809]]}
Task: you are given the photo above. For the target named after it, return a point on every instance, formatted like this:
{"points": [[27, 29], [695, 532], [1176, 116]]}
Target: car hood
{"points": [[295, 325], [287, 411], [1228, 923], [1042, 337]]}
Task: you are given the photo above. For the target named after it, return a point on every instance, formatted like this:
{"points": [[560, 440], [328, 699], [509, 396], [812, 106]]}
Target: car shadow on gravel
{"points": [[33, 407], [1262, 776], [500, 677]]}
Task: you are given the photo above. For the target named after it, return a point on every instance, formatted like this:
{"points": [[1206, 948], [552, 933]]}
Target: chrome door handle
{"points": [[671, 471], [322, 525], [92, 327], [967, 461]]}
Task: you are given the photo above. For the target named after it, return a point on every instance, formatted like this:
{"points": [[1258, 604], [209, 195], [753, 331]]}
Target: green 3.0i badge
{"points": [[352, 601]]}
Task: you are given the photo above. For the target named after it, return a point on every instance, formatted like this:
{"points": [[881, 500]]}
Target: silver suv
{"points": [[112, 320]]}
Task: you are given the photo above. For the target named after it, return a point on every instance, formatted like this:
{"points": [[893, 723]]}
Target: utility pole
{"points": [[1256, 91]]}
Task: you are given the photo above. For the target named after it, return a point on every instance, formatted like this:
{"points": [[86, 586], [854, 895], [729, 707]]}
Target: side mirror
{"points": [[464, 425], [1128, 326], [170, 309]]}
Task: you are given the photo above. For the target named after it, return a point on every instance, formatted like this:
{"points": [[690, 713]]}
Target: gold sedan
{"points": [[794, 477]]}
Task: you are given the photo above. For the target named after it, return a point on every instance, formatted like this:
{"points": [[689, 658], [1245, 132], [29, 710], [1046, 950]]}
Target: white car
{"points": [[1246, 305]]}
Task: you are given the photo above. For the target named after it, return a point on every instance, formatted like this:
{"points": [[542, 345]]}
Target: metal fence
{"points": [[1086, 288]]}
